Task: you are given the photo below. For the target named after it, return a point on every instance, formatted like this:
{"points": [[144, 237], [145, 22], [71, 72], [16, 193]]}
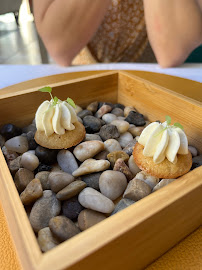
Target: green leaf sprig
{"points": [[168, 120], [48, 89]]}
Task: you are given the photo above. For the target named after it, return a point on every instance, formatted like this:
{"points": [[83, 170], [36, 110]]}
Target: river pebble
{"points": [[71, 208], [43, 177], [43, 210], [88, 149], [128, 109], [67, 161], [109, 117], [29, 161], [8, 154], [117, 112], [63, 228], [87, 218], [46, 240], [92, 106], [22, 178], [18, 144], [104, 109], [122, 126], [152, 181], [122, 204], [9, 131], [92, 180], [31, 141], [92, 137], [113, 156], [59, 180], [45, 155], [31, 127], [121, 166], [197, 161], [102, 155], [136, 190], [135, 131], [112, 184], [109, 132], [112, 145], [133, 166], [78, 109], [91, 124], [71, 190], [90, 166], [32, 192], [163, 183], [193, 150], [129, 147], [84, 113], [135, 118], [125, 139], [14, 165], [94, 200]]}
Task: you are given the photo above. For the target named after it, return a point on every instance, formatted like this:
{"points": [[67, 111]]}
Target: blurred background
{"points": [[19, 41]]}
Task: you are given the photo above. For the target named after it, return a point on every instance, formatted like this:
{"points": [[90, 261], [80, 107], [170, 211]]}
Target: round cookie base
{"points": [[67, 140], [165, 169]]}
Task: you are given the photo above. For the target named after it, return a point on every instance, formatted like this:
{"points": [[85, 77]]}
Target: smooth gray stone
{"points": [[44, 209], [18, 144], [92, 137], [67, 161], [92, 180], [59, 180], [46, 239], [162, 183], [43, 177], [125, 139], [112, 184], [122, 204], [109, 117], [29, 161], [136, 190], [94, 200], [132, 166], [63, 228], [117, 112], [71, 208]]}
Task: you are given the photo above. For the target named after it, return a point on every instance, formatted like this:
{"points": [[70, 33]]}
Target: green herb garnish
{"points": [[178, 125], [71, 102], [168, 121], [54, 100]]}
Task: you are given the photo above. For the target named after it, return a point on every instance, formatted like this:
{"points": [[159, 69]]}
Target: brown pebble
{"points": [[113, 156], [71, 190], [103, 110], [22, 178], [136, 190], [32, 192], [43, 177], [63, 228], [122, 167], [46, 239], [87, 218], [93, 106], [14, 165]]}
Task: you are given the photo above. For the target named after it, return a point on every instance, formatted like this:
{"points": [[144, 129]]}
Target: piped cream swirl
{"points": [[55, 118], [161, 141]]}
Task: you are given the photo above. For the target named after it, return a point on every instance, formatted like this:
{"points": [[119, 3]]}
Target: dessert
{"points": [[162, 150], [57, 124]]}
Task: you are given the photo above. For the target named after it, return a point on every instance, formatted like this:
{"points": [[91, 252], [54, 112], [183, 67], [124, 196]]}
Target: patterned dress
{"points": [[121, 37]]}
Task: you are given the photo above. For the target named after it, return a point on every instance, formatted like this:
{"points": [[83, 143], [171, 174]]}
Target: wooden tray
{"points": [[140, 233]]}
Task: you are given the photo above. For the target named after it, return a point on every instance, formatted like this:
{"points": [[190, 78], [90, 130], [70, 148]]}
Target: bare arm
{"points": [[66, 26], [174, 29]]}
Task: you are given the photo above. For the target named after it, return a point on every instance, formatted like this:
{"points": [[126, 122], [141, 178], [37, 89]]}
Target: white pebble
{"points": [[193, 150], [109, 117], [29, 161], [149, 179], [112, 145], [18, 144], [124, 139], [122, 126], [133, 166]]}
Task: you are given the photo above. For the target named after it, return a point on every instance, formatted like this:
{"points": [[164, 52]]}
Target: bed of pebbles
{"points": [[65, 192]]}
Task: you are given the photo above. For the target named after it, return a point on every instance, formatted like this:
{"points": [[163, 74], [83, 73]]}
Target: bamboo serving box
{"points": [[136, 236]]}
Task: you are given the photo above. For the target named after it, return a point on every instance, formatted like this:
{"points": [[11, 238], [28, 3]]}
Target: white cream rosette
{"points": [[56, 118], [162, 141]]}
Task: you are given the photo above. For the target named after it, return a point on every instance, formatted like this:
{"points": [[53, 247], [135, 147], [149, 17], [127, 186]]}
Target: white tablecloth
{"points": [[12, 74]]}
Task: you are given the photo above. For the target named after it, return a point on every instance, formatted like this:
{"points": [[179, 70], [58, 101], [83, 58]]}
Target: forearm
{"points": [[66, 26], [174, 29]]}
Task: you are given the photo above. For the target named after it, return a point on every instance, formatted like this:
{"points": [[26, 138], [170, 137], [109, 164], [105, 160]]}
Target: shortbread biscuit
{"points": [[67, 140], [165, 169]]}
